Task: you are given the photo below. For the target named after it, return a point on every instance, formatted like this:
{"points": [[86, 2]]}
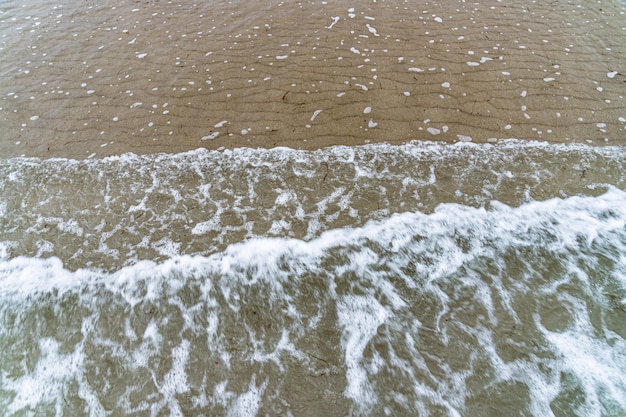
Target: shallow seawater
{"points": [[422, 279]]}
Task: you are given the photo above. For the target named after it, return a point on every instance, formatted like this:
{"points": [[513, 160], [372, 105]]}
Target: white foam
{"points": [[335, 20], [315, 114], [597, 365], [375, 277], [360, 318], [372, 30], [243, 174], [211, 136], [167, 247], [175, 381], [47, 383], [248, 403]]}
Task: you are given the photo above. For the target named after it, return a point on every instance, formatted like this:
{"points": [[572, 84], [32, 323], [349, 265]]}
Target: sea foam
{"points": [[416, 311]]}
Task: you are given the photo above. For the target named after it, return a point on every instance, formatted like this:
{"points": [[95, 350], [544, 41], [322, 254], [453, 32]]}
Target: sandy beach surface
{"points": [[91, 79], [275, 274]]}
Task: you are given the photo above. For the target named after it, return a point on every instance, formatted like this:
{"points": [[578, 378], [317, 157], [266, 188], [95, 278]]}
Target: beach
{"points": [[83, 80], [312, 208]]}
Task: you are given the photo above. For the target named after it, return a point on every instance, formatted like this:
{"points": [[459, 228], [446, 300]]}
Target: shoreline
{"points": [[171, 78], [506, 144]]}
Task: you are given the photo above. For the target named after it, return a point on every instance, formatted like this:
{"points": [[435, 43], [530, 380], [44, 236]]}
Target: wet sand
{"points": [[91, 79]]}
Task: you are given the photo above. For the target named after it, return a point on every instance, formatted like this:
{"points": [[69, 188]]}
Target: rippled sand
{"points": [[90, 79]]}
